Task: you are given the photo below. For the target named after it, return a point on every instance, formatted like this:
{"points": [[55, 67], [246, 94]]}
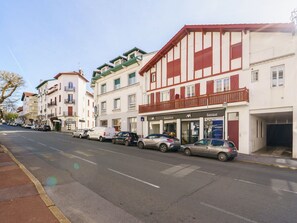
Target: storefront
{"points": [[189, 127]]}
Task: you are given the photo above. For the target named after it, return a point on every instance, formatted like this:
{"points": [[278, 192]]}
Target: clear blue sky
{"points": [[40, 38]]}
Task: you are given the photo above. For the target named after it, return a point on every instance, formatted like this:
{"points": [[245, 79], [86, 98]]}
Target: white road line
{"points": [[41, 144], [227, 212], [31, 140], [245, 181], [134, 178], [289, 191], [201, 171], [4, 134]]}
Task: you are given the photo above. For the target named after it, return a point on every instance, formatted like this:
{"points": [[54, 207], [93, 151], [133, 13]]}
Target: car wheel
{"points": [[163, 148], [127, 143], [113, 141], [101, 139], [222, 157], [187, 152], [80, 136], [140, 145]]}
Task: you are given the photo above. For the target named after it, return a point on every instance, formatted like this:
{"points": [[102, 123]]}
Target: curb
{"points": [[268, 164], [47, 201]]}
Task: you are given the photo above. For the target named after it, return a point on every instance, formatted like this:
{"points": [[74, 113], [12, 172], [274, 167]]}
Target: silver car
{"points": [[159, 141], [81, 133], [221, 149]]}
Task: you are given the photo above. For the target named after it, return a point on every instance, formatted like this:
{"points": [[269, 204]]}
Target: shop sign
{"points": [[70, 121]]}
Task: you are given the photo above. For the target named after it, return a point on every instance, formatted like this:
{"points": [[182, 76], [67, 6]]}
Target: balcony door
{"points": [[70, 111]]}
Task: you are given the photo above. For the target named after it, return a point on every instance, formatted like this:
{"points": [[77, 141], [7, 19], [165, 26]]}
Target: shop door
{"points": [[233, 128]]}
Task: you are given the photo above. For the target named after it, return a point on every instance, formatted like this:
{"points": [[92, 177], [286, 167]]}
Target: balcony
{"points": [[71, 89], [69, 114], [239, 95], [52, 103], [51, 115], [67, 101]]}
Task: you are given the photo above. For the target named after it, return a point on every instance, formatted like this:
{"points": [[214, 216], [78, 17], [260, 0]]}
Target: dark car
{"points": [[44, 128], [126, 138], [221, 149]]}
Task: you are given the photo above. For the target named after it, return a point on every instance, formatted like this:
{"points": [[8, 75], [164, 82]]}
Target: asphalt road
{"points": [[93, 181]]}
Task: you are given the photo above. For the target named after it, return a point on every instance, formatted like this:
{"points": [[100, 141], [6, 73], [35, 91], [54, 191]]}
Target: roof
{"points": [[71, 73], [19, 109], [27, 94], [258, 27], [104, 65], [43, 82], [117, 58], [89, 93], [134, 49]]}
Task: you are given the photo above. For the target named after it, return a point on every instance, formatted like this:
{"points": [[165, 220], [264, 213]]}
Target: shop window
{"points": [[103, 123], [213, 128], [277, 76], [132, 124], [116, 123], [190, 132], [255, 75]]}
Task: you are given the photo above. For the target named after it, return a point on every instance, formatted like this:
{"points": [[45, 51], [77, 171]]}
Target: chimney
{"points": [[81, 72]]}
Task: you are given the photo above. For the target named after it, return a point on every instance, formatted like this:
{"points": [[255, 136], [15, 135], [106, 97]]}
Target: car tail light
{"points": [[170, 140], [230, 150]]}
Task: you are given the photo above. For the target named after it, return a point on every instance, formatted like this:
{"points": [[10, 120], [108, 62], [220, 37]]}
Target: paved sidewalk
{"points": [[22, 199], [281, 162]]}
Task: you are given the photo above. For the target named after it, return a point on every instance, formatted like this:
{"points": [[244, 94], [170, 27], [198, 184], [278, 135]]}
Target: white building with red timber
{"points": [[232, 81]]}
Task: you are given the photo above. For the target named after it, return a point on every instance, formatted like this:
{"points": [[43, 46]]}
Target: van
{"points": [[101, 133]]}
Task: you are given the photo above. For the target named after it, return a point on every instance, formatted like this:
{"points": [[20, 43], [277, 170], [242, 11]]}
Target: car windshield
{"points": [[231, 144]]}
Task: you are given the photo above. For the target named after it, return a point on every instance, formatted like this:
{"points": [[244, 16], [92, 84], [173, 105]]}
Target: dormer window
{"points": [[131, 56], [118, 62]]}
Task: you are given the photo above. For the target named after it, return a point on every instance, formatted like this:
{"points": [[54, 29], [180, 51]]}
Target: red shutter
{"points": [[203, 59], [197, 89], [209, 87], [158, 97], [236, 51], [177, 69], [234, 82], [182, 92], [171, 94], [152, 98], [170, 69]]}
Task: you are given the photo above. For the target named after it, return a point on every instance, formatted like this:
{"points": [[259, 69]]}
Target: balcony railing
{"points": [[203, 100], [52, 103], [70, 89], [67, 101], [69, 114]]}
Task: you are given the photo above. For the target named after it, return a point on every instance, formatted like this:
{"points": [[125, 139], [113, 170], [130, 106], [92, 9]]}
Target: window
{"points": [[60, 86], [70, 97], [117, 103], [116, 123], [117, 83], [103, 107], [153, 77], [132, 101], [255, 75], [70, 85], [88, 102], [277, 76], [88, 113], [59, 110], [103, 88], [131, 56], [103, 123], [132, 124], [165, 96], [190, 91], [222, 84], [118, 62], [59, 98], [132, 79], [148, 99]]}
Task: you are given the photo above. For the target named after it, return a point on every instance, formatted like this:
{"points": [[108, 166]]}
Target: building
{"points": [[65, 103], [30, 108], [232, 81], [118, 91]]}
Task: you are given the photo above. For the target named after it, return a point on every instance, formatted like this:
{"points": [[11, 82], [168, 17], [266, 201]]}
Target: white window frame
{"points": [[102, 92], [117, 103], [165, 96], [103, 108], [131, 80], [132, 104], [255, 75], [190, 91], [117, 86], [276, 73], [222, 85]]}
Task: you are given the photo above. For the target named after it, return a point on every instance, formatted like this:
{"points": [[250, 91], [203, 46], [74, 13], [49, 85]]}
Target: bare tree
{"points": [[9, 83]]}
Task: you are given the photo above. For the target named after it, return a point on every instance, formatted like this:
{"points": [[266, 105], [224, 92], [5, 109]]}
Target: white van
{"points": [[101, 133]]}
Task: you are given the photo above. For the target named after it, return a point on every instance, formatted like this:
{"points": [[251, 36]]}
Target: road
{"points": [[93, 181]]}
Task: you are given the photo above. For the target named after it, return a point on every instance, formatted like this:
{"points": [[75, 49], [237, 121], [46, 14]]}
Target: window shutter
{"points": [[182, 92], [152, 98], [234, 82], [158, 97], [172, 94], [209, 87], [197, 89]]}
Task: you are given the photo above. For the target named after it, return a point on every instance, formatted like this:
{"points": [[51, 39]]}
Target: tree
{"points": [[9, 83], [9, 117]]}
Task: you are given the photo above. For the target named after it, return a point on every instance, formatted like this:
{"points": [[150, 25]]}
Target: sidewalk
{"points": [[281, 162], [22, 198]]}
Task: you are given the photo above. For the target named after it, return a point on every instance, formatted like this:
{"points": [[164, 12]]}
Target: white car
{"points": [[101, 133]]}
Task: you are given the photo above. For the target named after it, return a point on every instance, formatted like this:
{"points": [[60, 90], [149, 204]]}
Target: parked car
{"points": [[126, 138], [159, 141], [221, 149], [81, 133], [101, 133], [44, 128]]}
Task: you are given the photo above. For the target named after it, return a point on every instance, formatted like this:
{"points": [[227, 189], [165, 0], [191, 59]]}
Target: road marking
{"points": [[180, 170], [174, 169], [245, 181], [31, 140], [34, 168], [89, 161], [227, 212], [4, 134], [289, 191], [41, 144], [134, 178], [83, 153]]}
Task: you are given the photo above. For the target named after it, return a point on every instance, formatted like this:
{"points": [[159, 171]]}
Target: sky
{"points": [[40, 38]]}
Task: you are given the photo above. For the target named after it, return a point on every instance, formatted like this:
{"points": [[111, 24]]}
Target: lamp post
{"points": [[225, 105]]}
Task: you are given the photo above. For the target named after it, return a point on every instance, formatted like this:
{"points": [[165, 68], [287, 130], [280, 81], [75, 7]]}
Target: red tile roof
{"points": [[71, 73]]}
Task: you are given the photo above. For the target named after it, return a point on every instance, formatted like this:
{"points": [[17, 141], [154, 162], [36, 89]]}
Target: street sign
{"points": [[142, 118]]}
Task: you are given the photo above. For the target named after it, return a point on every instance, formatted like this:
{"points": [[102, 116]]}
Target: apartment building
{"points": [[118, 91], [65, 103], [30, 107], [232, 81]]}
